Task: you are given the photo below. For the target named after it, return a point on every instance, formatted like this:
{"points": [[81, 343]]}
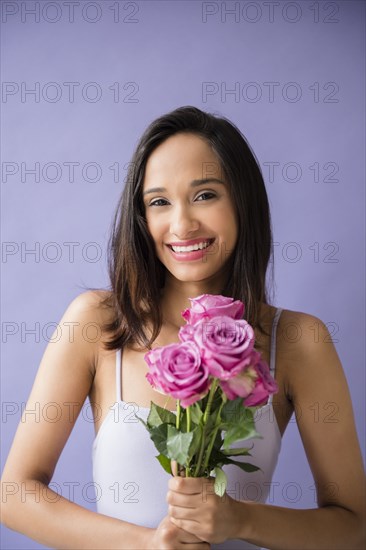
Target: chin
{"points": [[191, 277]]}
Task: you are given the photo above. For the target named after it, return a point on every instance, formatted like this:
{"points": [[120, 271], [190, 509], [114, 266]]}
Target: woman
{"points": [[193, 219]]}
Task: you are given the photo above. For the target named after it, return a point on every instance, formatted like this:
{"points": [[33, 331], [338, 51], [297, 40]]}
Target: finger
{"points": [[177, 512], [188, 525], [174, 467], [187, 485], [183, 500], [177, 469], [185, 536]]}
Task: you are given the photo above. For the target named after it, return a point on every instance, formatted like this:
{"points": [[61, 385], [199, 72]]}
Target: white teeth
{"points": [[198, 246]]}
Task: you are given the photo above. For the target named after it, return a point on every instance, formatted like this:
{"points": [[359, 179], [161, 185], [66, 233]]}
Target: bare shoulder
{"points": [[93, 306], [87, 314], [297, 327], [300, 333], [91, 300], [309, 354], [296, 330]]}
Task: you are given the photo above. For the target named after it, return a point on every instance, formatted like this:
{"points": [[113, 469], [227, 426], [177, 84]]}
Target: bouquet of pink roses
{"points": [[218, 379]]}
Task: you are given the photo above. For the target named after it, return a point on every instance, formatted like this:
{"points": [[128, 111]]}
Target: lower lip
{"points": [[190, 256]]}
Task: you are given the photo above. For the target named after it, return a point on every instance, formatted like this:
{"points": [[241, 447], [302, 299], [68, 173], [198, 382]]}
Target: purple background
{"points": [[162, 60]]}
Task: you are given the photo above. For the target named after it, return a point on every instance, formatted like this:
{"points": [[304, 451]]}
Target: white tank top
{"points": [[131, 485]]}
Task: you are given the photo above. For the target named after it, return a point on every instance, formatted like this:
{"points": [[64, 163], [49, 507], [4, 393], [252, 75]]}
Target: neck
{"points": [[175, 297]]}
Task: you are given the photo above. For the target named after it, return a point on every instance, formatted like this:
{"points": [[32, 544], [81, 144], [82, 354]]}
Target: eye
{"points": [[206, 194], [155, 202]]}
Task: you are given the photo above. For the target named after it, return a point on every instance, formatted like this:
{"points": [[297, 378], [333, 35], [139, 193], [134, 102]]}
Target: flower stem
{"points": [[210, 399], [205, 418], [214, 434], [177, 420], [177, 425], [188, 411]]}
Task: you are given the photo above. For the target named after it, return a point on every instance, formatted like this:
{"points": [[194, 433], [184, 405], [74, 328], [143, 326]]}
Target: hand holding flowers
{"points": [[195, 508]]}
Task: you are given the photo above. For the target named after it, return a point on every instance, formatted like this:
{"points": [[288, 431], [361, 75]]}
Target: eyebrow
{"points": [[194, 183]]}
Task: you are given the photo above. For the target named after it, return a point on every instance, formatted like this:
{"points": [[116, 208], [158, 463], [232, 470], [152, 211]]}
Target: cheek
{"points": [[150, 223], [154, 227], [226, 222]]}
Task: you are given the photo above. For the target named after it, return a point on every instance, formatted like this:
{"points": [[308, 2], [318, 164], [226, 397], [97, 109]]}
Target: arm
{"points": [[65, 375], [315, 376]]}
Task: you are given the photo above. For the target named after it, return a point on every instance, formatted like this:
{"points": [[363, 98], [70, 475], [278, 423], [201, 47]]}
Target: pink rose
{"points": [[226, 344], [207, 306], [177, 370], [241, 385], [264, 386]]}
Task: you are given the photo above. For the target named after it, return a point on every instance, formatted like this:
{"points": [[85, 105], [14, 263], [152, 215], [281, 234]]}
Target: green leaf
{"points": [[240, 451], [159, 435], [183, 424], [158, 416], [240, 432], [233, 412], [165, 462], [218, 458], [246, 466], [196, 442], [178, 444], [238, 422], [196, 413], [220, 482]]}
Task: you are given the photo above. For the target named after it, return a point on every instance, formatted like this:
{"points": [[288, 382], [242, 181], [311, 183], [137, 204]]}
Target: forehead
{"points": [[184, 156]]}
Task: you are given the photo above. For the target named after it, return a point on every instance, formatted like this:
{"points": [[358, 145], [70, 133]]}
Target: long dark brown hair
{"points": [[137, 275]]}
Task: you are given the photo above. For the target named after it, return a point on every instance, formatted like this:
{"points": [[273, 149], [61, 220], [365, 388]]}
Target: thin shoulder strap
{"points": [[272, 365], [118, 375]]}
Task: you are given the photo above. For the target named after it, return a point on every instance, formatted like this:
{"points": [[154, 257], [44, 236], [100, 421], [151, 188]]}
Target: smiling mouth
{"points": [[191, 248]]}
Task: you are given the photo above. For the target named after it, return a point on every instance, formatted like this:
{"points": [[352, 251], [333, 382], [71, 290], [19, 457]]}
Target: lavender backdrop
{"points": [[80, 82]]}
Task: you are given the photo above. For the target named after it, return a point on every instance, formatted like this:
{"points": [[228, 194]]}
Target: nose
{"points": [[183, 222]]}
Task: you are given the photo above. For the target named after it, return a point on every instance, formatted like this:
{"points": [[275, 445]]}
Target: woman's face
{"points": [[188, 205]]}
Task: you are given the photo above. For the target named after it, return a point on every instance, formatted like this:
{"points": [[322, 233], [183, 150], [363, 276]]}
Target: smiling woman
{"points": [[193, 219], [189, 245], [193, 177]]}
